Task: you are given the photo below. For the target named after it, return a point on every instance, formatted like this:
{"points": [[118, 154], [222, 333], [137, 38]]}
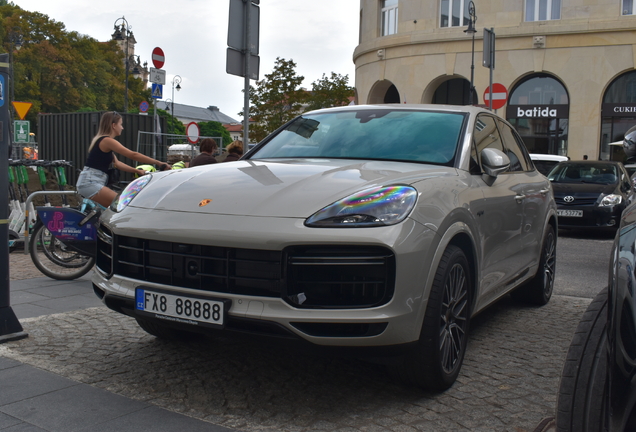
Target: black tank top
{"points": [[98, 159]]}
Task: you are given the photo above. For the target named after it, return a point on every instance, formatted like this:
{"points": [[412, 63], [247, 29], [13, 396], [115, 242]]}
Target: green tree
{"points": [[276, 99], [329, 92], [60, 71], [215, 129], [174, 124]]}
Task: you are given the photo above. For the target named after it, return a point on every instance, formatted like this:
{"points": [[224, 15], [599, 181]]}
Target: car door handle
{"points": [[544, 191], [520, 198]]}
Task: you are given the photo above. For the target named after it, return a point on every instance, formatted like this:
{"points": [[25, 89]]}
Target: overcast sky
{"points": [[318, 35]]}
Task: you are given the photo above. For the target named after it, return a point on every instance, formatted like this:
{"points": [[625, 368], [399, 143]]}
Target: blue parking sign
{"points": [[2, 88], [157, 91]]}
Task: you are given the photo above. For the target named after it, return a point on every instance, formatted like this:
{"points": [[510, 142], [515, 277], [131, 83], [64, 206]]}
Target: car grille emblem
{"points": [[568, 199]]}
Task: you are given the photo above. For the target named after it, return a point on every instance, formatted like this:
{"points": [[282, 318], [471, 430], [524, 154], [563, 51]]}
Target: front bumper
{"points": [[392, 320], [593, 217]]}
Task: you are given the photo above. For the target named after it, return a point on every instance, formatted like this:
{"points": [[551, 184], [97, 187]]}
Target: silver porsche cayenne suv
{"points": [[376, 229]]}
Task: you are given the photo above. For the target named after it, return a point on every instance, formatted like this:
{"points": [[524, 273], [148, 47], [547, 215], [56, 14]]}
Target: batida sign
{"points": [[537, 111]]}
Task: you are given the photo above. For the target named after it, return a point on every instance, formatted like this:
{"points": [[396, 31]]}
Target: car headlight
{"points": [[380, 206], [122, 200], [610, 200]]}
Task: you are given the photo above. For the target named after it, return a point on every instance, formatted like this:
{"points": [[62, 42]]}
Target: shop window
{"points": [[389, 17], [543, 10], [538, 109], [539, 90], [618, 114], [454, 13]]}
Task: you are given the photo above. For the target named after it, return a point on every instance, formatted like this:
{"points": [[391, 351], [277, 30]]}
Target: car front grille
{"points": [[304, 276], [576, 202]]}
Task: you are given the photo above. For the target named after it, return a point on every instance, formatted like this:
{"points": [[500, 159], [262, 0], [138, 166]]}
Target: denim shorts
{"points": [[91, 181]]}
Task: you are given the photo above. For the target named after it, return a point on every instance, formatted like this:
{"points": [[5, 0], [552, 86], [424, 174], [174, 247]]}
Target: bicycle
{"points": [[63, 243], [63, 240]]}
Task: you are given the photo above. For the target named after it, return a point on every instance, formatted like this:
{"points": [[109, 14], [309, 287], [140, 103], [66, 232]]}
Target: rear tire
{"points": [[53, 259], [582, 397], [539, 289], [438, 357]]}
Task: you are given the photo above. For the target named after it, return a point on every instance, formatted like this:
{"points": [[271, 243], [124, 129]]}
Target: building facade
{"points": [[568, 66]]}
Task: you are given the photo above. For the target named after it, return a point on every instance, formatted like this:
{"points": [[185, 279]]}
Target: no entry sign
{"points": [[499, 96], [158, 59], [192, 131]]}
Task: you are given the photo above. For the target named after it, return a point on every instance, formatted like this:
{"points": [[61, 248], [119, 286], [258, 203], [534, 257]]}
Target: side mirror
{"points": [[494, 161]]}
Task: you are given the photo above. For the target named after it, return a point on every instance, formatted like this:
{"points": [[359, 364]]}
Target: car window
{"points": [[387, 134], [485, 135], [518, 157], [599, 173]]}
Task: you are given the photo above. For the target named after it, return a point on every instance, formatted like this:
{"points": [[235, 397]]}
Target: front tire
{"points": [[438, 357], [53, 259], [582, 398], [539, 289]]}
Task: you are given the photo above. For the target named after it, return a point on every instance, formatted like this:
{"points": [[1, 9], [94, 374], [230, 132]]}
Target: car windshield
{"points": [[601, 173], [544, 166], [386, 134]]}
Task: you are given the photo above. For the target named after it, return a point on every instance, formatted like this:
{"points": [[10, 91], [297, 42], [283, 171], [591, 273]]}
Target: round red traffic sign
{"points": [[158, 59], [143, 107], [192, 131], [499, 96]]}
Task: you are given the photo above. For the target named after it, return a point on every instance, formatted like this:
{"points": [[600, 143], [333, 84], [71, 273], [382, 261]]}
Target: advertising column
{"points": [[10, 328]]}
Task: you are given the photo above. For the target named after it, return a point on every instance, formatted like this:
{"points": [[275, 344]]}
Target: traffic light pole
{"points": [[10, 328]]}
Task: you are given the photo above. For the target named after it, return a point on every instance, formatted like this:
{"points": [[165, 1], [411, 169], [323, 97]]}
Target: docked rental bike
{"points": [[63, 240], [63, 243]]}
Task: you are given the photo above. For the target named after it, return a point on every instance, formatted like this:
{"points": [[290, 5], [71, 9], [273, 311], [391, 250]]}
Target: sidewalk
{"points": [[34, 400]]}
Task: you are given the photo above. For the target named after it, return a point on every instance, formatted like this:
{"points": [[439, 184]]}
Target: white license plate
{"points": [[570, 213], [180, 308]]}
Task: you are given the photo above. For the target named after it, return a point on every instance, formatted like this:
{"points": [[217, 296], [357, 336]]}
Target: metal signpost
{"points": [[10, 327], [158, 59], [242, 54], [489, 55]]}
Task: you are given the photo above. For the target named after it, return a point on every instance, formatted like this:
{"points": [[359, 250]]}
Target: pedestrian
{"points": [[93, 182], [208, 148], [234, 151]]}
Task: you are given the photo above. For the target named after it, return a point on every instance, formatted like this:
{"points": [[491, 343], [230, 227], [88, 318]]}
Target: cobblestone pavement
{"points": [[21, 267], [508, 382]]}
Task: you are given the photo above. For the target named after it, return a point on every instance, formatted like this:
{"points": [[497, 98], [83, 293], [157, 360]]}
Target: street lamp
{"points": [[15, 37], [135, 61], [167, 102], [123, 32], [471, 30], [176, 80]]}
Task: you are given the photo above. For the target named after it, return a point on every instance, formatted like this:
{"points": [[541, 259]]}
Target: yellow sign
{"points": [[22, 108]]}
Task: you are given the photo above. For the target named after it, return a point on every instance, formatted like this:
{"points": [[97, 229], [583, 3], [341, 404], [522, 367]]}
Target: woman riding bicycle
{"points": [[92, 181]]}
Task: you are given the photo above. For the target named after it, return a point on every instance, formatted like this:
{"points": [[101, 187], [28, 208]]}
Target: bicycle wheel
{"points": [[52, 257]]}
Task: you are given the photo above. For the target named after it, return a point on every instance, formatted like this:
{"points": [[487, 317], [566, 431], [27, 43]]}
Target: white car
{"points": [[381, 229], [545, 162]]}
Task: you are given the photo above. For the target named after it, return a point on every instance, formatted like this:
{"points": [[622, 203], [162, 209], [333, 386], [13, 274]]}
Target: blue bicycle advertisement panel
{"points": [[63, 223]]}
